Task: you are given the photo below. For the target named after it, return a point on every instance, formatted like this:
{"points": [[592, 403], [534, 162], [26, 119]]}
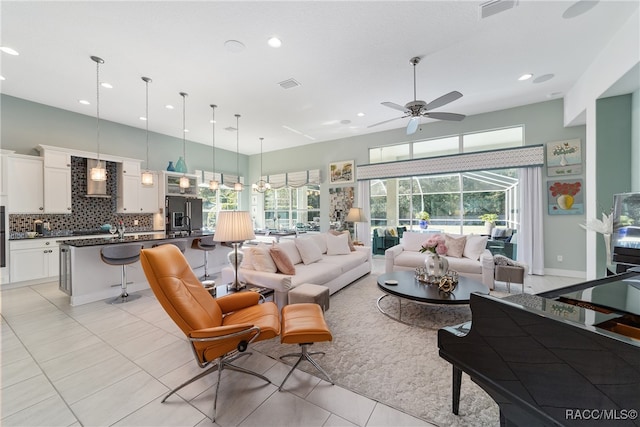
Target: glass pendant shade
{"points": [[237, 186], [98, 173], [184, 182], [147, 178], [261, 186], [214, 185]]}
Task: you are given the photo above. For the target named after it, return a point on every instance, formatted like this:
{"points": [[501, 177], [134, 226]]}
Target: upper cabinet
{"points": [[24, 184], [133, 197], [57, 182]]}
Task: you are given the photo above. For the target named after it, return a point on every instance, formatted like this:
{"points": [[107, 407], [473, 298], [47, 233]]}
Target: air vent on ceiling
{"points": [[494, 7], [289, 83]]}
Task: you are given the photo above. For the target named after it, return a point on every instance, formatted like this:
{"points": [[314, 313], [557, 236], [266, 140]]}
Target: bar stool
{"points": [[121, 255], [205, 244], [181, 244]]}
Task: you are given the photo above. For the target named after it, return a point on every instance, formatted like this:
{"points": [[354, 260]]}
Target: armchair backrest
{"points": [[178, 289]]}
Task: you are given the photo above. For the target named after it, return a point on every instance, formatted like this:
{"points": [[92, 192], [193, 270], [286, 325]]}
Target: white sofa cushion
{"points": [[262, 260], [247, 258], [344, 263], [320, 240], [455, 245], [309, 250], [412, 241], [289, 247], [338, 245], [474, 246]]}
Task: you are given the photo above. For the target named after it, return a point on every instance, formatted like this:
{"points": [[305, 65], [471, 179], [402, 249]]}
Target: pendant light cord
{"points": [[213, 138], [147, 80], [238, 147], [184, 127], [98, 62]]}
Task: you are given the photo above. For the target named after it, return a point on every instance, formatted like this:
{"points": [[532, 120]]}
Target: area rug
{"points": [[391, 362]]}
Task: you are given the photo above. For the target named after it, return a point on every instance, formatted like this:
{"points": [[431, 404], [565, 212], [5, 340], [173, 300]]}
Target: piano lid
{"points": [[622, 296]]}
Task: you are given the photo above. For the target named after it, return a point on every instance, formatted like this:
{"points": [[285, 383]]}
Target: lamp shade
{"points": [[355, 215], [234, 226]]}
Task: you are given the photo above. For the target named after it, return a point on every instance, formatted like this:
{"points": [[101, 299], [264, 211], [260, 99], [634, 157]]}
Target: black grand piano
{"points": [[566, 357]]}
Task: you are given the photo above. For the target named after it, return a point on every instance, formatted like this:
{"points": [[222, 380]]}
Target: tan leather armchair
{"points": [[219, 329]]}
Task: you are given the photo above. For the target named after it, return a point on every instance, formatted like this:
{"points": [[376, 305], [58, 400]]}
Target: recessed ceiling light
{"points": [[144, 119], [360, 114], [9, 51], [543, 78], [212, 121], [274, 42], [169, 107], [106, 85], [84, 102], [234, 46], [1, 77], [524, 77], [186, 131]]}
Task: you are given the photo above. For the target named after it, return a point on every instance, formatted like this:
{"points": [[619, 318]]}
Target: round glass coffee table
{"points": [[408, 288]]}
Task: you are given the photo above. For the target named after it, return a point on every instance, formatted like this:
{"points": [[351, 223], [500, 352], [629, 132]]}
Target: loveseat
{"points": [[326, 259], [467, 255]]}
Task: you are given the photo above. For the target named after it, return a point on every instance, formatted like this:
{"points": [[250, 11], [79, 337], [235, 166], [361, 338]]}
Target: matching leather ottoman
{"points": [[303, 324], [308, 292]]}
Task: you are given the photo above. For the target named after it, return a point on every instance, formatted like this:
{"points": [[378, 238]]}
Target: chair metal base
{"points": [[223, 363], [305, 354], [124, 297]]}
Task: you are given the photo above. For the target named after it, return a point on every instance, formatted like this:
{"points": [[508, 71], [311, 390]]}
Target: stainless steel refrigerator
{"points": [[177, 209]]}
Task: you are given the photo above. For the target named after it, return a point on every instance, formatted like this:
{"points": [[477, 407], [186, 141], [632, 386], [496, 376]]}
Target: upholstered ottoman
{"points": [[510, 274], [303, 324], [308, 292]]}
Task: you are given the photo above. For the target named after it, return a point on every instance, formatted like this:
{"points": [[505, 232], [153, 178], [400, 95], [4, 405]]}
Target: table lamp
{"points": [[234, 227], [355, 215]]}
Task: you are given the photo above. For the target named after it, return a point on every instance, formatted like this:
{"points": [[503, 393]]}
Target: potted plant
{"points": [[423, 218], [489, 221]]}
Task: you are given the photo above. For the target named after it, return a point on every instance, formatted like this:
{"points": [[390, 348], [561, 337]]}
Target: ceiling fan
{"points": [[416, 108]]}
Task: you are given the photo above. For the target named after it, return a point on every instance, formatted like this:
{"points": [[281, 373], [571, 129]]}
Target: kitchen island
{"points": [[86, 278]]}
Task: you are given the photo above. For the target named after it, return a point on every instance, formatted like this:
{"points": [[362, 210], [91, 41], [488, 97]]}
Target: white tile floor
{"points": [[100, 364]]}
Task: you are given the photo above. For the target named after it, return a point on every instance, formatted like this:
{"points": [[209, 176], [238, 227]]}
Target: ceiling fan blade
{"points": [[395, 106], [443, 100], [412, 127], [386, 121], [445, 116]]}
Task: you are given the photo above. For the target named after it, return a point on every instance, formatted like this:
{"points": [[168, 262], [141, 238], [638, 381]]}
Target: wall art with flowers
{"points": [[565, 197], [564, 158]]}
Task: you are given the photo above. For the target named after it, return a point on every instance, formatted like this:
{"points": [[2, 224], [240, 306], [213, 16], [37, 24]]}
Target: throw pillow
{"points": [[289, 247], [247, 259], [281, 259], [475, 246], [337, 245], [412, 241], [321, 241], [309, 251], [393, 232], [455, 245], [337, 233], [262, 260]]}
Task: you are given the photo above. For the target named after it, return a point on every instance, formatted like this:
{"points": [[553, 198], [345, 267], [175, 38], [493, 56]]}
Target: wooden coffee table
{"points": [[410, 289]]}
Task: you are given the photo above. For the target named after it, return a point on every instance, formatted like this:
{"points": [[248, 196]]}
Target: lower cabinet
{"points": [[33, 260]]}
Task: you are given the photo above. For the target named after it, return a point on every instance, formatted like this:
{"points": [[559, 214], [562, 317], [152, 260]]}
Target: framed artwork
{"points": [[341, 172], [564, 158], [340, 201], [565, 197]]}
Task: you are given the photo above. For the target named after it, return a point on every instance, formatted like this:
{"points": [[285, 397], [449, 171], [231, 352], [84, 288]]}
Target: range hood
{"points": [[95, 188]]}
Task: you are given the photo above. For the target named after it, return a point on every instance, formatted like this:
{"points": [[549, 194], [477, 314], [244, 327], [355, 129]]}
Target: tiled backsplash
{"points": [[88, 213]]}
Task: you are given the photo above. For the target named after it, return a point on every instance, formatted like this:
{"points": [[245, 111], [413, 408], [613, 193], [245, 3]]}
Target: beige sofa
{"points": [[476, 261], [322, 267]]}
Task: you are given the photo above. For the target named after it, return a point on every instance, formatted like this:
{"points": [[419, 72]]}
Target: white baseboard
{"points": [[565, 273]]}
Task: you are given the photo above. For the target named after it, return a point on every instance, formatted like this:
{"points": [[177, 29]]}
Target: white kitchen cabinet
{"points": [[33, 259], [25, 190], [131, 168], [57, 182], [149, 196], [133, 197]]}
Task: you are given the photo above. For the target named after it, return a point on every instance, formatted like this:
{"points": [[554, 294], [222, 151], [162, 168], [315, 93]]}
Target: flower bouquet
{"points": [[435, 245]]}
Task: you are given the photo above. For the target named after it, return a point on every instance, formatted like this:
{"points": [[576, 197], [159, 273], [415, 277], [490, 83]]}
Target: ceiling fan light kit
{"points": [[417, 108]]}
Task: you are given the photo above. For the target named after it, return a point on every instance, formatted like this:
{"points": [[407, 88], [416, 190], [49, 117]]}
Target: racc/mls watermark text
{"points": [[601, 414]]}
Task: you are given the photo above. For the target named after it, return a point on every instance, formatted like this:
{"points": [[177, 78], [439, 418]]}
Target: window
{"points": [[436, 147], [292, 208], [493, 140], [391, 153], [214, 201]]}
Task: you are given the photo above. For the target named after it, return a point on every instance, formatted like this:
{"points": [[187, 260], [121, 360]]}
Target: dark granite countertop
{"points": [[131, 238]]}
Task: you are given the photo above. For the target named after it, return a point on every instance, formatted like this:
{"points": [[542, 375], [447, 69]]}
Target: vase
{"points": [[436, 265], [565, 201], [488, 227], [170, 167], [181, 166], [563, 160], [423, 223]]}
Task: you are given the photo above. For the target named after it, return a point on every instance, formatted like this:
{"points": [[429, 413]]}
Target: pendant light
{"points": [[184, 181], [99, 172], [237, 186], [147, 177], [213, 184], [261, 185]]}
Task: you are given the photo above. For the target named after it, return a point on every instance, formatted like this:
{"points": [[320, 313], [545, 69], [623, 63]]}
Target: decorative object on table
{"points": [[604, 227], [565, 197], [234, 227], [436, 265], [181, 165], [423, 218], [489, 222], [341, 172], [355, 215], [121, 229], [99, 171], [448, 282], [214, 184], [170, 167], [564, 158], [147, 176], [261, 185]]}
